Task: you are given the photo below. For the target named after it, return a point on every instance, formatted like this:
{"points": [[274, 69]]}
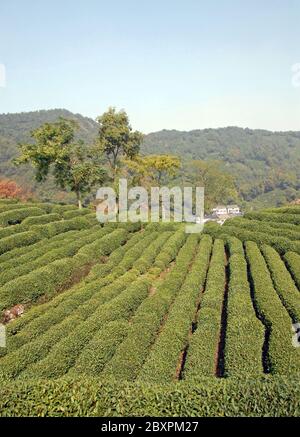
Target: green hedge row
{"points": [[5, 201], [26, 223], [64, 353], [100, 350], [274, 217], [282, 245], [204, 343], [126, 263], [40, 220], [67, 249], [23, 250], [60, 209], [100, 271], [38, 232], [4, 207], [164, 361], [244, 332], [284, 210], [54, 228], [130, 356], [11, 365], [76, 301], [17, 215], [82, 300], [293, 263], [170, 251], [77, 213], [264, 227], [281, 356], [283, 282], [46, 207], [18, 240], [79, 303], [210, 397], [47, 280], [17, 257]]}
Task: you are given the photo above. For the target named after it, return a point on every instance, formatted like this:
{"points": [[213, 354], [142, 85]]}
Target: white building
{"points": [[220, 210], [233, 209]]}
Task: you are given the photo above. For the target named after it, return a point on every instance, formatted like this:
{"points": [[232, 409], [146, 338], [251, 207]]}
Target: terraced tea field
{"points": [[132, 319]]}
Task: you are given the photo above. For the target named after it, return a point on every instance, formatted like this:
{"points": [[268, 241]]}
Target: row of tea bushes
{"points": [[144, 327], [264, 227], [274, 217], [48, 279], [39, 232], [244, 332], [283, 282], [210, 397], [293, 262], [27, 223], [17, 215], [65, 352], [82, 301], [281, 244], [164, 361], [281, 356], [203, 346], [66, 248], [100, 350]]}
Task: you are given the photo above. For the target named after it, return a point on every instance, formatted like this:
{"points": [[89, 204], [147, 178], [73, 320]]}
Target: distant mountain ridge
{"points": [[266, 164]]}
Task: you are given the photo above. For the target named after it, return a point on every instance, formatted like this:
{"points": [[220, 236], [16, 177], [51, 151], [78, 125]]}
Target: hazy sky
{"points": [[171, 64]]}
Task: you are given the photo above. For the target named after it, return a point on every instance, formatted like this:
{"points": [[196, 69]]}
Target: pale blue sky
{"points": [[171, 64]]}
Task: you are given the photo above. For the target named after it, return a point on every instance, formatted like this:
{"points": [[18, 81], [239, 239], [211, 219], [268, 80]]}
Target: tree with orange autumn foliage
{"points": [[9, 189]]}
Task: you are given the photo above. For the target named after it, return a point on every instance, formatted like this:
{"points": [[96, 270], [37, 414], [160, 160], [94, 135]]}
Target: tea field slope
{"points": [[144, 319]]}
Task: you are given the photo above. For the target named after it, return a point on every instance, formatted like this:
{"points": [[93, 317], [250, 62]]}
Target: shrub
{"points": [[14, 241], [60, 209], [244, 332], [210, 397], [281, 244], [76, 213], [293, 263], [54, 228], [69, 348], [274, 217], [163, 363], [14, 363], [84, 298], [203, 347], [284, 210], [69, 248], [101, 348], [46, 280], [17, 215], [266, 227], [283, 282], [131, 354], [40, 220], [281, 357]]}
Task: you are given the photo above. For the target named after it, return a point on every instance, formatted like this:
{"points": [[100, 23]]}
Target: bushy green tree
{"points": [[117, 139], [74, 165]]}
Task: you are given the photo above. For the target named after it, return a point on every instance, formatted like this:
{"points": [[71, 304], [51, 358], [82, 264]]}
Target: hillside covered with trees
{"points": [[265, 166]]}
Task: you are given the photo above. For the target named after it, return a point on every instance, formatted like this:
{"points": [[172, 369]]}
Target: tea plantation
{"points": [[144, 319]]}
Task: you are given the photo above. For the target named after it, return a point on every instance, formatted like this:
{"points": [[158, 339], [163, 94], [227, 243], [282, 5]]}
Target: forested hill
{"points": [[266, 165], [16, 128]]}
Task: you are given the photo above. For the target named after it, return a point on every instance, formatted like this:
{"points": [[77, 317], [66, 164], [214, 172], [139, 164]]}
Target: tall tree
{"points": [[73, 164], [152, 169], [219, 185], [117, 139]]}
